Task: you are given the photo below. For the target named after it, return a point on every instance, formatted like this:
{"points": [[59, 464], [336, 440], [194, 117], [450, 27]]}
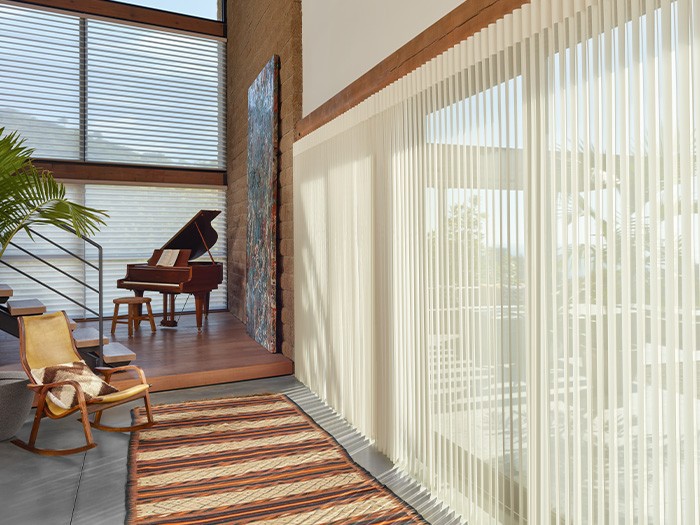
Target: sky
{"points": [[201, 8]]}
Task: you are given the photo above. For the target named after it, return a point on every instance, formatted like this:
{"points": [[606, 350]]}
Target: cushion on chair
{"points": [[66, 396]]}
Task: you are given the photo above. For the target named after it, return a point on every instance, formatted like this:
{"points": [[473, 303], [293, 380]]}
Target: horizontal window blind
{"points": [[498, 266], [141, 219], [109, 92], [40, 80], [154, 97]]}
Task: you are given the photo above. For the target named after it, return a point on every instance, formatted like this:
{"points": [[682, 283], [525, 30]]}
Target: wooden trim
{"points": [[458, 25], [130, 173], [135, 14]]}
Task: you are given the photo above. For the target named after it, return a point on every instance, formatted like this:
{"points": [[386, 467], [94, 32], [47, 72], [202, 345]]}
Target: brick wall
{"points": [[257, 29]]}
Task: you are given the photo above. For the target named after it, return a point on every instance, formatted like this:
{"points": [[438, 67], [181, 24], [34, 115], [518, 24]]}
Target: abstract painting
{"points": [[261, 249]]}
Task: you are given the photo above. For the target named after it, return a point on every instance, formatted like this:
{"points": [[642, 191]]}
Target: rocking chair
{"points": [[46, 341]]}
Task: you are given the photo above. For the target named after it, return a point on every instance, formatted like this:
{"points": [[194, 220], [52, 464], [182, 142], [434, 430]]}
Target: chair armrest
{"points": [[43, 388], [107, 372]]}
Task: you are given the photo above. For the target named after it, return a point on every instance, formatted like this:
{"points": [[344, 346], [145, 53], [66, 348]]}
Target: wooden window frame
{"points": [[131, 173]]}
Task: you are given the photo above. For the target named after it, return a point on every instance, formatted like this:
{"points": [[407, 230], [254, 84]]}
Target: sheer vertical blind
{"points": [[498, 266]]}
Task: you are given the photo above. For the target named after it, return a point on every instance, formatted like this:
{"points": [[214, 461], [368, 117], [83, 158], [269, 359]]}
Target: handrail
{"points": [[48, 287], [100, 272], [34, 232], [51, 265]]}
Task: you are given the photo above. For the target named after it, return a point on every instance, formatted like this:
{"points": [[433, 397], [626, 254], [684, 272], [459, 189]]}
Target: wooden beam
{"points": [[129, 173], [135, 14], [464, 21]]}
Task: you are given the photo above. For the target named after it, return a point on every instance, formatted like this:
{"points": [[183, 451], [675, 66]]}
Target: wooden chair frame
{"points": [[84, 407]]}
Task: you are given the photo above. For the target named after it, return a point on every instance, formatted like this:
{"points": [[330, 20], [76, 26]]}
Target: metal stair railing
{"points": [[99, 267]]}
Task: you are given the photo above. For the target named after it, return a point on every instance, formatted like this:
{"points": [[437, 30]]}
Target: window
{"points": [[84, 89], [506, 297], [141, 219], [40, 80], [210, 9], [101, 91]]}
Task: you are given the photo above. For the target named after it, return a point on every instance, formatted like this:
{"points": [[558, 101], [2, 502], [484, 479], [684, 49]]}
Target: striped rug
{"points": [[249, 460]]}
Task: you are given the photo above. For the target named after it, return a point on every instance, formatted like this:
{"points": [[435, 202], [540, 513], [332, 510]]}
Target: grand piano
{"points": [[171, 269]]}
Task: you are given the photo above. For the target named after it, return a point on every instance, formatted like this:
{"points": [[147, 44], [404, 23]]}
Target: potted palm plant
{"points": [[30, 196]]}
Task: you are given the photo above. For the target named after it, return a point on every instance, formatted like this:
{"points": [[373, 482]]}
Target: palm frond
{"points": [[13, 154], [33, 197]]}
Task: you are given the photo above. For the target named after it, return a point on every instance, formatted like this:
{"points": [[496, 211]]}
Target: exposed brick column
{"points": [[257, 29]]}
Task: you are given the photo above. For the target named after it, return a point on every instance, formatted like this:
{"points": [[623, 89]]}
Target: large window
{"points": [[84, 89], [499, 268], [141, 219], [101, 91]]}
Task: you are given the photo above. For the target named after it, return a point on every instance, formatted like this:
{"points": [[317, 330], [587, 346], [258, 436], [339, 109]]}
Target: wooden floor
{"points": [[183, 358]]}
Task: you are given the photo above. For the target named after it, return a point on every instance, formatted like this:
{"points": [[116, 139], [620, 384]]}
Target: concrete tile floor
{"points": [[89, 488]]}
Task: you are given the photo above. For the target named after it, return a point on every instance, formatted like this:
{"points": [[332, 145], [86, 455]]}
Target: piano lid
{"points": [[188, 237]]}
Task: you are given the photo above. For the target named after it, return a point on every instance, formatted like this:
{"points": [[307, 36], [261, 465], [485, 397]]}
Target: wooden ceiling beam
{"points": [[464, 21]]}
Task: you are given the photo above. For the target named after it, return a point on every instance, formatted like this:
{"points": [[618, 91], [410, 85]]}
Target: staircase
{"points": [[92, 344], [87, 339]]}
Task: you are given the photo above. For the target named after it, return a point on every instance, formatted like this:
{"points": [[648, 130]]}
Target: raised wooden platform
{"points": [[182, 358]]}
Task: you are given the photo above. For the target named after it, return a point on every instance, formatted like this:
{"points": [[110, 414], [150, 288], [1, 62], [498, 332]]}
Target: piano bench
{"points": [[133, 317]]}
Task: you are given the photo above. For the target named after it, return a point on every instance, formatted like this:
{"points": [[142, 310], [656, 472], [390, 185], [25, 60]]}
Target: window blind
{"points": [[109, 92], [141, 219], [154, 97], [40, 80], [498, 266]]}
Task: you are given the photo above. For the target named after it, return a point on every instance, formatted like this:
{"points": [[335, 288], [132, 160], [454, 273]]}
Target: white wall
{"points": [[343, 39]]}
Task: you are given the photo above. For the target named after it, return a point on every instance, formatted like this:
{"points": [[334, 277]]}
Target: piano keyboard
{"points": [[145, 283]]}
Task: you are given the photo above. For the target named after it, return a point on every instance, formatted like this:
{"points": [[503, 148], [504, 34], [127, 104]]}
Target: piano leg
{"points": [[168, 310], [206, 305], [200, 301], [139, 309]]}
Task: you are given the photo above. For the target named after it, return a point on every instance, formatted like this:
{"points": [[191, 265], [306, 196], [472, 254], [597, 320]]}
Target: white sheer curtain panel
{"points": [[498, 265]]}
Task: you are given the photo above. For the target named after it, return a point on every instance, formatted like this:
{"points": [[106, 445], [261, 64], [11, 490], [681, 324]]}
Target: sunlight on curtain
{"points": [[498, 266]]}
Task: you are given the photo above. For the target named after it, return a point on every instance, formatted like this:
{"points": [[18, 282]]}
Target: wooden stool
{"points": [[133, 317]]}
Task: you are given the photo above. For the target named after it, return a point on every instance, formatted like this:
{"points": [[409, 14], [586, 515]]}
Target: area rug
{"points": [[249, 460]]}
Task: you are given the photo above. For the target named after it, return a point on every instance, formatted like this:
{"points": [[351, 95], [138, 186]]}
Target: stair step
{"points": [[5, 290], [88, 337], [117, 353], [73, 325], [7, 322], [25, 307]]}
